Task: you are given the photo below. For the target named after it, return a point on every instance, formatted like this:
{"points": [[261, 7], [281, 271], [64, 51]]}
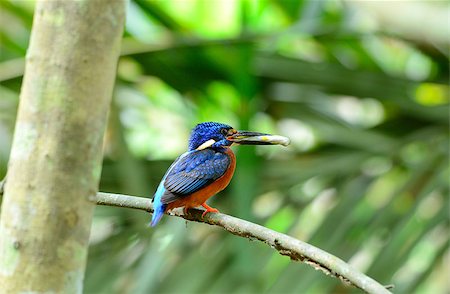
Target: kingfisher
{"points": [[205, 169]]}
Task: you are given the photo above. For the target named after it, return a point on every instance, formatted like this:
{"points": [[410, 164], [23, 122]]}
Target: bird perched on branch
{"points": [[205, 169]]}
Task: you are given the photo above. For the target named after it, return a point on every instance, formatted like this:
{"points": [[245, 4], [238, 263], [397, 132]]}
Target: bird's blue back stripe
{"points": [[158, 206]]}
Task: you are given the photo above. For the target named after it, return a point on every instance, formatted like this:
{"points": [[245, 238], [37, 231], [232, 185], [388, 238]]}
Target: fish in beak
{"points": [[255, 138]]}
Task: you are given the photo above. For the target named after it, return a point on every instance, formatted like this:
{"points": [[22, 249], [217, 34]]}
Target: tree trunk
{"points": [[56, 156]]}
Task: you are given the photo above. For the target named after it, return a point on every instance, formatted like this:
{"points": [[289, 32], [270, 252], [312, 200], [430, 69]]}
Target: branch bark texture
{"points": [[55, 161], [284, 244]]}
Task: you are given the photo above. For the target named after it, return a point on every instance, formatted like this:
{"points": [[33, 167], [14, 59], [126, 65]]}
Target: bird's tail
{"points": [[158, 207], [158, 213]]}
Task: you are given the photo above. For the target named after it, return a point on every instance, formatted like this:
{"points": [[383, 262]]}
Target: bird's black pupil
{"points": [[224, 131]]}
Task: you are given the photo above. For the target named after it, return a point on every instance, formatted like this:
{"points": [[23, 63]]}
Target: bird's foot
{"points": [[185, 210], [208, 209]]}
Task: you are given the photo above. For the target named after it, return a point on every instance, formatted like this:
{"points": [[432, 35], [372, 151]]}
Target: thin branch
{"points": [[284, 244]]}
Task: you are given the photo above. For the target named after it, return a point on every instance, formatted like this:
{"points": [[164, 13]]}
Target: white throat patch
{"points": [[207, 144]]}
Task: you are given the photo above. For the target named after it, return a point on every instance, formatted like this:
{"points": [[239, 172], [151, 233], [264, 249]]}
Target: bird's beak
{"points": [[255, 138]]}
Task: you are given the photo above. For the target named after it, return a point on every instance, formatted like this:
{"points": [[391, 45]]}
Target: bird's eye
{"points": [[224, 132]]}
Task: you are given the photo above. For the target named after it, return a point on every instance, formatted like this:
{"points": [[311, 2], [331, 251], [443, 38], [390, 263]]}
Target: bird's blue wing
{"points": [[189, 173], [158, 206], [192, 172]]}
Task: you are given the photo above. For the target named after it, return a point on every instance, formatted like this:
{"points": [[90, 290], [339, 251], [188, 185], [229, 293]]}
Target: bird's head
{"points": [[218, 135]]}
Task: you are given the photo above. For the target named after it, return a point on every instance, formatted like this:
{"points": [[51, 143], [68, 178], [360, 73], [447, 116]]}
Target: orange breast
{"points": [[200, 197]]}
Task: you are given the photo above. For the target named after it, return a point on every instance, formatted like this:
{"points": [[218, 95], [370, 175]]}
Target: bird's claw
{"points": [[208, 209]]}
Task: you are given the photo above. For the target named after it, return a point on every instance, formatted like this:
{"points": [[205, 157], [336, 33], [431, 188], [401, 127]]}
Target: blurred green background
{"points": [[360, 87]]}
